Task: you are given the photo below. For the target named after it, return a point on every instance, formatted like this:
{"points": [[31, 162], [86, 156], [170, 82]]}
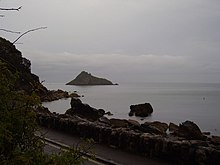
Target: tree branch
{"points": [[2, 15], [17, 9], [28, 32], [10, 31]]}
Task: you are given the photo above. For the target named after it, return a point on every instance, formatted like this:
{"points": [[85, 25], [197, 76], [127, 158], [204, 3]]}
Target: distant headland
{"points": [[85, 78]]}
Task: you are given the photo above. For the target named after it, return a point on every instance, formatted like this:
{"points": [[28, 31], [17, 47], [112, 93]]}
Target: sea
{"points": [[171, 102]]}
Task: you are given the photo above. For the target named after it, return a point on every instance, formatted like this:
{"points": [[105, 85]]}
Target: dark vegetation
{"points": [[20, 95]]}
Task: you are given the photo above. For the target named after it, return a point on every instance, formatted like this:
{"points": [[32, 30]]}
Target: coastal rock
{"points": [[84, 110], [142, 110], [52, 95], [119, 123], [190, 130], [155, 127], [173, 149], [215, 140], [159, 125], [105, 120], [42, 109], [108, 113], [85, 78], [134, 123], [173, 127]]}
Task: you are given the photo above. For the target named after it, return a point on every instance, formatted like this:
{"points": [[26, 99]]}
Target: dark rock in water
{"points": [[207, 133], [108, 113], [84, 110], [52, 95], [85, 78], [142, 110], [119, 123], [190, 130]]}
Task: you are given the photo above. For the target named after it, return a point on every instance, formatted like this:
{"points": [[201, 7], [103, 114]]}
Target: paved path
{"points": [[108, 153]]}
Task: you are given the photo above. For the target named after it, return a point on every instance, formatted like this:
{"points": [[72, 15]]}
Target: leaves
{"points": [[18, 143]]}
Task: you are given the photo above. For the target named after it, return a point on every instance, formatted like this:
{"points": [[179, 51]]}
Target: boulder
{"points": [[108, 113], [84, 110], [190, 130], [133, 123], [52, 95], [215, 140], [119, 123], [159, 125], [142, 110], [173, 127], [155, 127], [105, 120]]}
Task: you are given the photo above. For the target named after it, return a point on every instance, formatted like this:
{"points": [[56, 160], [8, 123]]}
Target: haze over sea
{"points": [[172, 102]]}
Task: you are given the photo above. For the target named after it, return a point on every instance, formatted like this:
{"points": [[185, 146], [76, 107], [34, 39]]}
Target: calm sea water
{"points": [[172, 102]]}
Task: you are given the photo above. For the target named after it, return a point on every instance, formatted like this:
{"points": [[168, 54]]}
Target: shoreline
{"points": [[149, 139]]}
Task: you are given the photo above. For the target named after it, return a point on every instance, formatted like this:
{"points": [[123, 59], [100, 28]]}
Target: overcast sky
{"points": [[123, 40]]}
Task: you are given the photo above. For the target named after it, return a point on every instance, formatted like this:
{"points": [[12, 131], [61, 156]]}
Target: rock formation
{"points": [[189, 130], [27, 81], [150, 143], [85, 78], [84, 110], [142, 110], [52, 95]]}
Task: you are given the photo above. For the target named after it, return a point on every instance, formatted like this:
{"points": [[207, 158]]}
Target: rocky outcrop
{"points": [[21, 67], [52, 95], [173, 127], [85, 78], [155, 127], [118, 123], [189, 130], [142, 110], [177, 150], [84, 110]]}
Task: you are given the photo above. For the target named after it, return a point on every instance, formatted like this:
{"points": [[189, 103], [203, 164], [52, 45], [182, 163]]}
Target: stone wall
{"points": [[170, 148]]}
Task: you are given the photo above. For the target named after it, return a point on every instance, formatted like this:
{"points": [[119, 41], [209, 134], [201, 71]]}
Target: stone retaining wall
{"points": [[172, 149]]}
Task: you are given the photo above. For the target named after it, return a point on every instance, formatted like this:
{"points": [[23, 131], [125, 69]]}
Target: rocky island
{"points": [[85, 78]]}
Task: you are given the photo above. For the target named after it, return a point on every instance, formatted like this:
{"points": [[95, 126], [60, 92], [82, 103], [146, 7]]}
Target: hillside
{"points": [[21, 68]]}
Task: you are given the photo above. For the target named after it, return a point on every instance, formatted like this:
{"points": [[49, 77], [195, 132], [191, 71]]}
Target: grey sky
{"points": [[124, 40]]}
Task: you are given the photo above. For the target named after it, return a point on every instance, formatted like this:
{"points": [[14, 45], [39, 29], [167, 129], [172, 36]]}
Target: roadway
{"points": [[106, 154]]}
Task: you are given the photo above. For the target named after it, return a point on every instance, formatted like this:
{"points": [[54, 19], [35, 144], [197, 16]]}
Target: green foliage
{"points": [[18, 143]]}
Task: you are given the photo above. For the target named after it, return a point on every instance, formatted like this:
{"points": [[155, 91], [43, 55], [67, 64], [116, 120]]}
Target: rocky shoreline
{"points": [[52, 95], [178, 144], [183, 144]]}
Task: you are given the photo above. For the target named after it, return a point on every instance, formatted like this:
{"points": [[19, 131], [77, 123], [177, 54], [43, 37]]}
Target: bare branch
{"points": [[17, 9], [2, 15], [28, 32], [10, 31]]}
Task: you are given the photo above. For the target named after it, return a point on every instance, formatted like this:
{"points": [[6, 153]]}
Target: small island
{"points": [[85, 78]]}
